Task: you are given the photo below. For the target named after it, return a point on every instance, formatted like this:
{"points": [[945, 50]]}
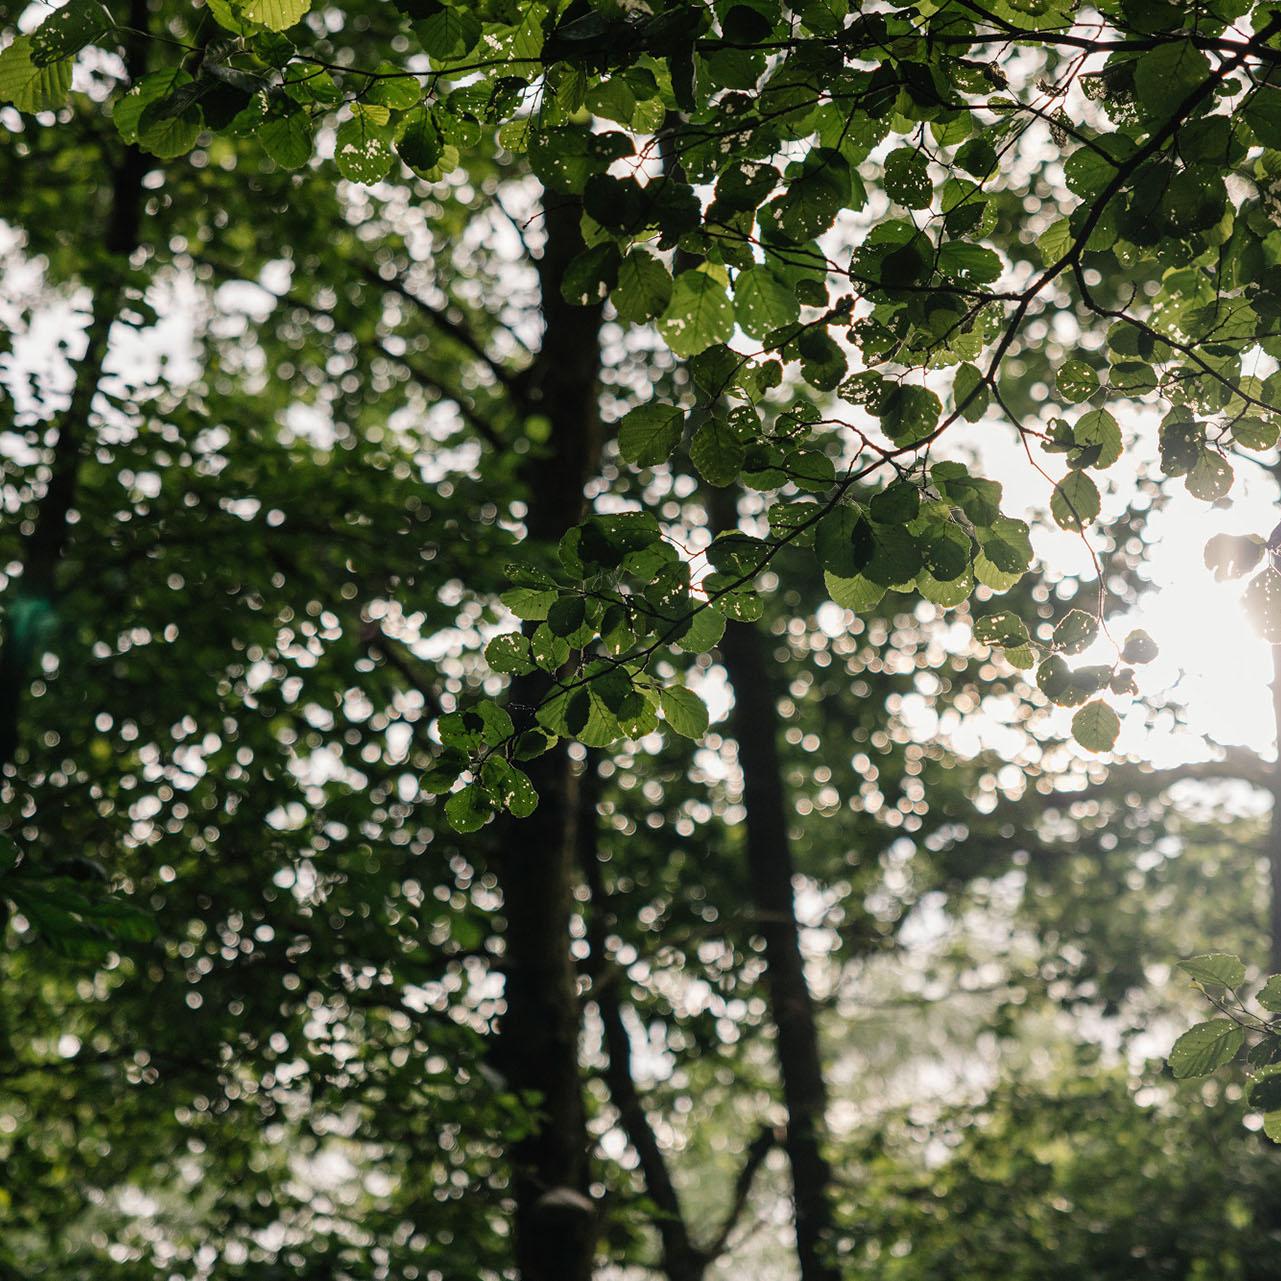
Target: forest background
{"points": [[608, 666]]}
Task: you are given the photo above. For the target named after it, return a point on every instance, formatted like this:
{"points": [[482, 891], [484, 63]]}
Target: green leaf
{"points": [[1075, 632], [565, 616], [28, 86], [1139, 647], [1264, 1090], [896, 504], [1087, 173], [470, 809], [288, 139], [509, 653], [815, 195], [1262, 112], [699, 315], [1220, 969], [518, 794], [67, 30], [644, 288], [168, 126], [1096, 727], [843, 541], [948, 593], [683, 710], [1211, 476], [708, 625], [649, 433], [394, 87], [362, 151], [857, 593], [275, 15], [717, 452], [127, 112], [548, 650], [1205, 1047], [970, 393], [1075, 502], [1255, 433], [1098, 436], [529, 602], [590, 275], [1166, 75], [1269, 995], [908, 413], [947, 550], [1055, 241], [1003, 629], [1076, 381], [897, 559], [979, 499], [449, 33], [763, 302], [498, 724], [421, 144], [969, 264], [907, 178], [226, 13], [977, 157]]}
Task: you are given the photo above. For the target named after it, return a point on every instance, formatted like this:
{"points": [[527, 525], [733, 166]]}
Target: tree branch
{"points": [[30, 605], [442, 320], [680, 1257], [430, 382], [766, 1140]]}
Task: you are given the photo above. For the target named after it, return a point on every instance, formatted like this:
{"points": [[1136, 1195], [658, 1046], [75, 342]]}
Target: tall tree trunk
{"points": [[770, 873], [1274, 834], [30, 608], [770, 870], [555, 1220], [682, 1259]]}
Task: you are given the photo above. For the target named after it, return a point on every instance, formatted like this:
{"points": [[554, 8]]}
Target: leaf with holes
{"points": [[699, 314], [1075, 502]]}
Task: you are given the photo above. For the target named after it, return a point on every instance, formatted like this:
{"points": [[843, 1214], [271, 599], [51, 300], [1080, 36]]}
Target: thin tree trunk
{"points": [[1274, 834], [30, 608], [771, 873], [555, 1220], [682, 1259]]}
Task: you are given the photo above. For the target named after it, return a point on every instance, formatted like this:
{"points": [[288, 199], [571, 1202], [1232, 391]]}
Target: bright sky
{"points": [[1213, 662]]}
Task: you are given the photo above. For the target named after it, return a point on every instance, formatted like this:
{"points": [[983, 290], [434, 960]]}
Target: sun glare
{"points": [[1213, 663]]}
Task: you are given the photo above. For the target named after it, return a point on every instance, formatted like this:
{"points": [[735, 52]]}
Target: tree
{"points": [[281, 488]]}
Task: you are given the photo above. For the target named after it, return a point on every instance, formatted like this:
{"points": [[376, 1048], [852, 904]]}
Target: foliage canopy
{"points": [[371, 668], [888, 203]]}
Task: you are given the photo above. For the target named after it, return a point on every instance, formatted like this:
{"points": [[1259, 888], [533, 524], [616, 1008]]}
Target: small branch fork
{"points": [[685, 1258]]}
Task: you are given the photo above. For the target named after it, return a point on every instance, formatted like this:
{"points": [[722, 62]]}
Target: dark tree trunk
{"points": [[770, 870], [30, 610], [682, 1259], [555, 1221], [1274, 834]]}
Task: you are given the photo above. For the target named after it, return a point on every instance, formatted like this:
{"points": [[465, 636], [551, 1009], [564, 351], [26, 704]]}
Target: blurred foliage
{"points": [[274, 392]]}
